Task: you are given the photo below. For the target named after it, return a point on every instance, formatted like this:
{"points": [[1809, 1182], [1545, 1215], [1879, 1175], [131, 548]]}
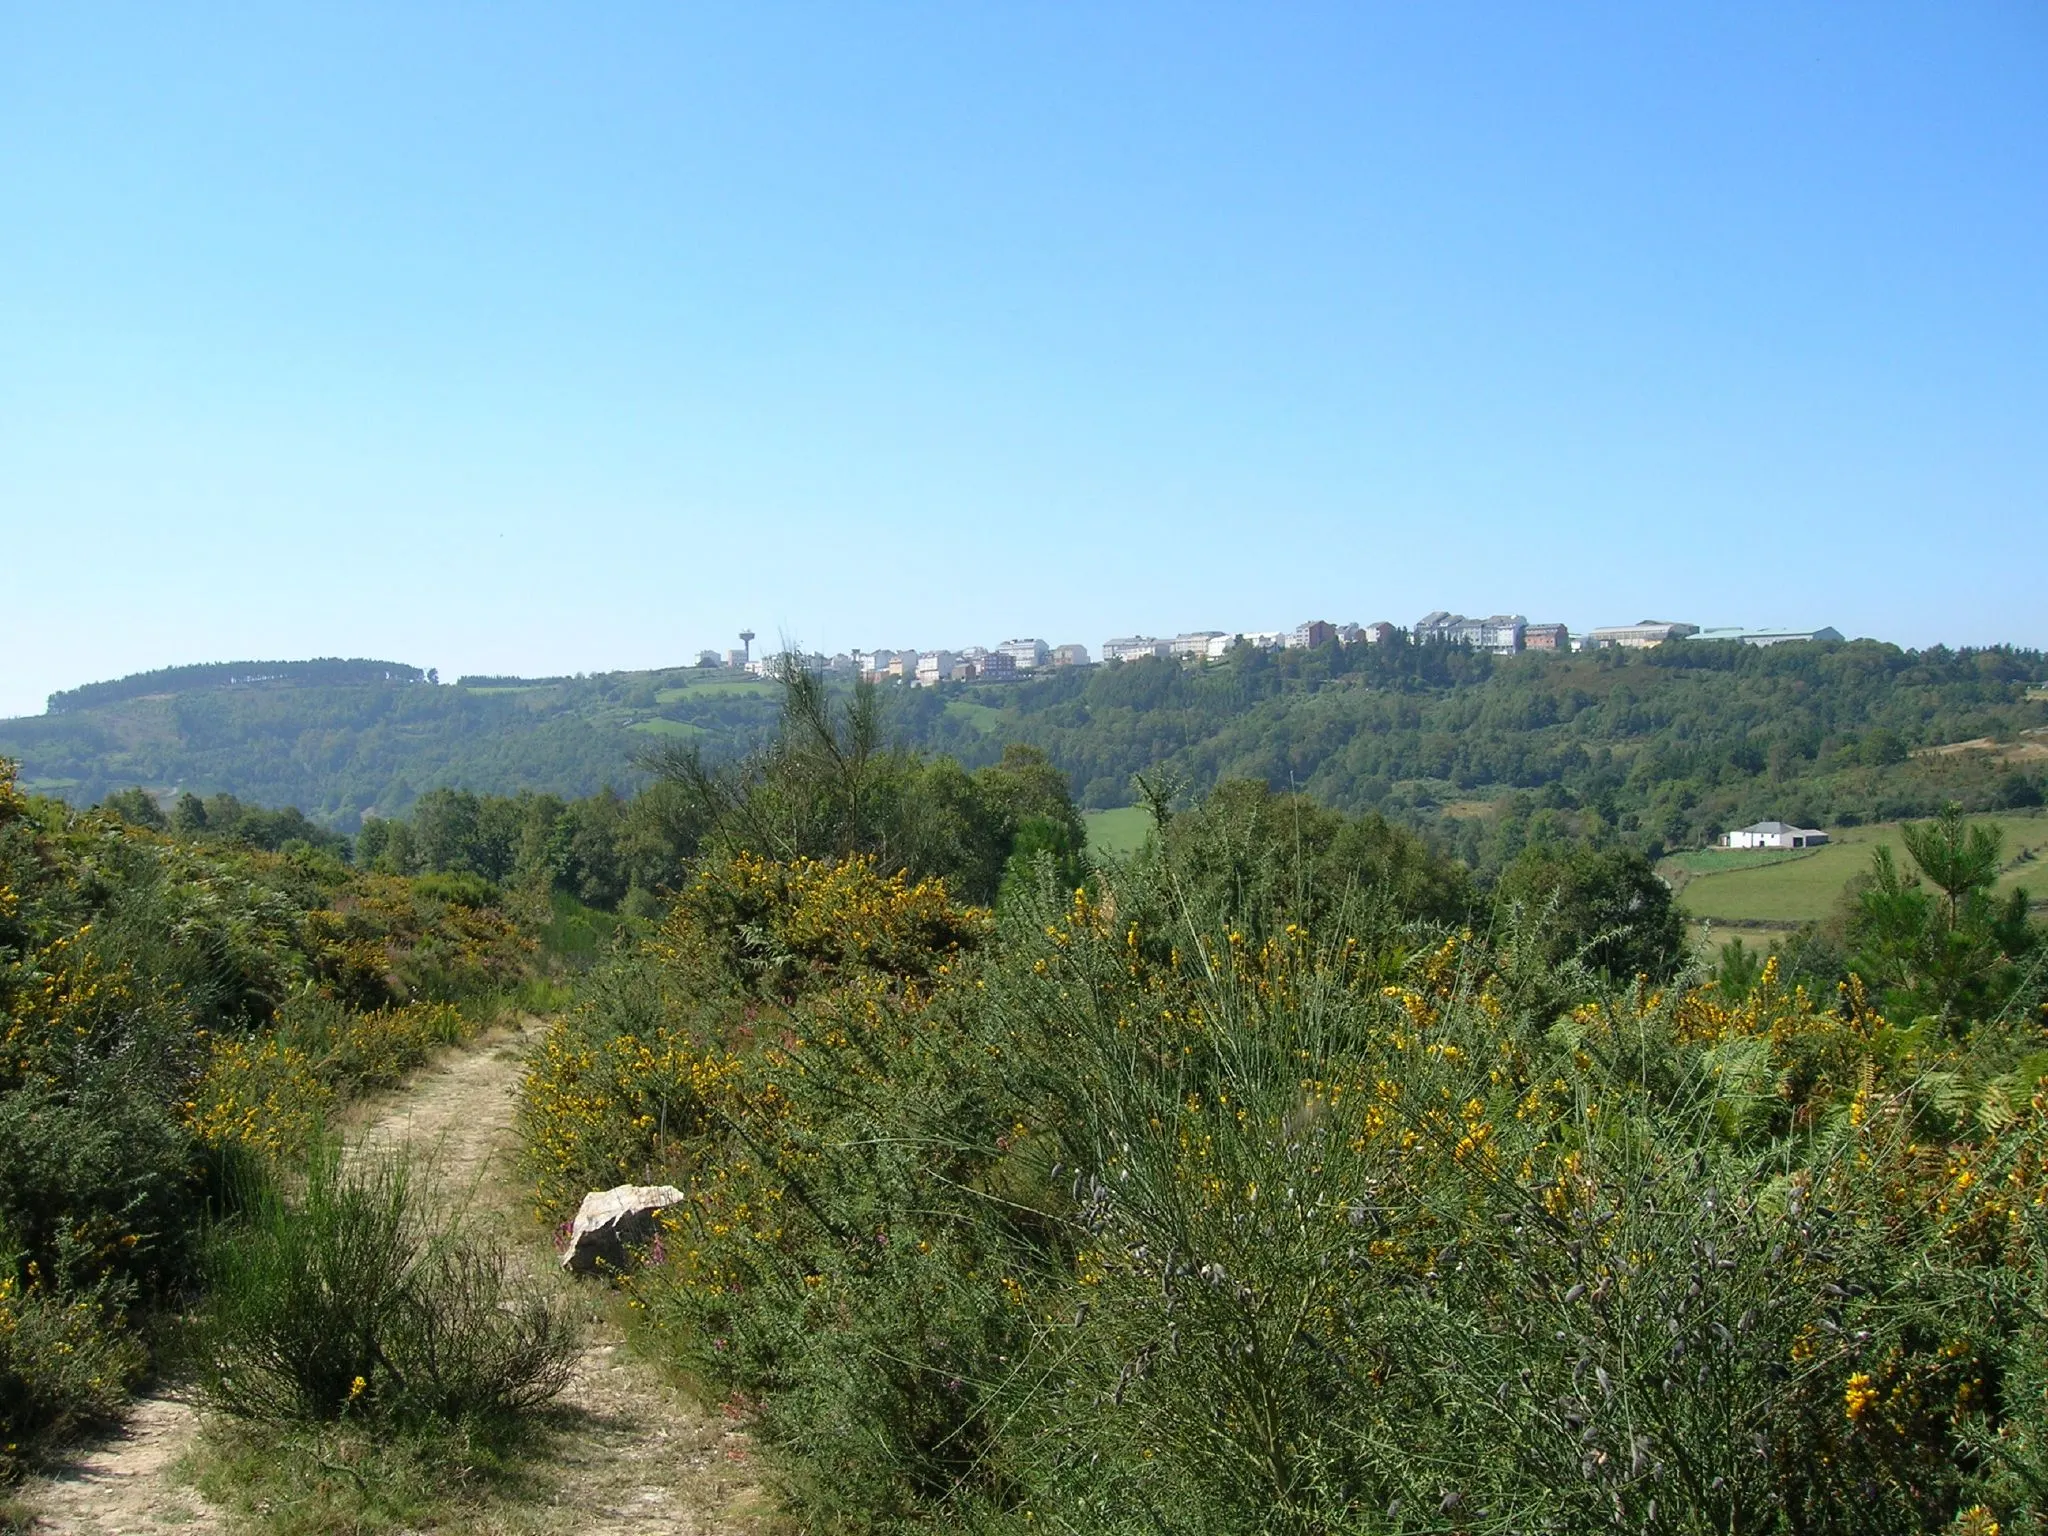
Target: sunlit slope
{"points": [[1788, 888]]}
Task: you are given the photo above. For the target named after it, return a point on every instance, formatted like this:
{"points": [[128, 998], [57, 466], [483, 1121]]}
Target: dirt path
{"points": [[125, 1483], [632, 1454]]}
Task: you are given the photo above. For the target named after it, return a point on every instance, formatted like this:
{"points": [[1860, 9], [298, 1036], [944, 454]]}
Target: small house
{"points": [[1773, 834]]}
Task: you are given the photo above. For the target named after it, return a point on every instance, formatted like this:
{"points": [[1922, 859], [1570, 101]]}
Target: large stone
{"points": [[610, 1221]]}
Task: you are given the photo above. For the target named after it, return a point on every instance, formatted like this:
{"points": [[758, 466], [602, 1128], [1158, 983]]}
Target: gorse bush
{"points": [[64, 1364], [344, 1298], [1204, 1199], [640, 1073], [271, 1094], [783, 929]]}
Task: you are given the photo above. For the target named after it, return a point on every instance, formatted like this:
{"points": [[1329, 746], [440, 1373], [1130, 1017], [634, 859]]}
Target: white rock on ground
{"points": [[609, 1219]]}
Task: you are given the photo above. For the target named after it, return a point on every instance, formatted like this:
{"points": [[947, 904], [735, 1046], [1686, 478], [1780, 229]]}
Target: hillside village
{"points": [[1501, 634]]}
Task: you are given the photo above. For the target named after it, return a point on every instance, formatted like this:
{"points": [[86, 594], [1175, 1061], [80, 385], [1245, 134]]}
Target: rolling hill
{"points": [[1663, 748]]}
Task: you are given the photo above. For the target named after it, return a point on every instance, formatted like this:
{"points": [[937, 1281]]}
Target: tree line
{"points": [[1484, 755], [324, 671]]}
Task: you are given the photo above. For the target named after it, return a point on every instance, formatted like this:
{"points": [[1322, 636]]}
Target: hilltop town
{"points": [[1500, 634]]}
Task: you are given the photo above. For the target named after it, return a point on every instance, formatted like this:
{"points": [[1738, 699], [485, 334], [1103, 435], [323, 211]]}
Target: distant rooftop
{"points": [[1770, 636]]}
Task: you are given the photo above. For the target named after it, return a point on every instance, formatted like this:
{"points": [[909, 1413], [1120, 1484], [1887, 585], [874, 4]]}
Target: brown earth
{"points": [[629, 1453], [2031, 748]]}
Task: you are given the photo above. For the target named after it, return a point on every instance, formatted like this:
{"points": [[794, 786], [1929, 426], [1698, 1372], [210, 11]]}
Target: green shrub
{"points": [[95, 1188], [1190, 1207], [343, 1300], [459, 887], [64, 1364]]}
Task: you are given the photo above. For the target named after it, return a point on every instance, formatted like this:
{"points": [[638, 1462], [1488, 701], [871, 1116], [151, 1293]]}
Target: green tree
{"points": [[137, 807], [1606, 906], [1953, 957], [826, 787], [447, 833], [1960, 858], [596, 871]]}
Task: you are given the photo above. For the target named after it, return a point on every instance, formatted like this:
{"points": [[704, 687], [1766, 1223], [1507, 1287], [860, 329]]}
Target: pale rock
{"points": [[609, 1220]]}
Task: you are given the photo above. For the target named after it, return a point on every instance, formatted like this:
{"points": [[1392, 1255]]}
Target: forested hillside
{"points": [[339, 750], [1669, 746], [1665, 747], [235, 674]]}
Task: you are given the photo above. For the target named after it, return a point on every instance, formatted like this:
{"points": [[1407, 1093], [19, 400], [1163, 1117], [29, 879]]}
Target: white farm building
{"points": [[1773, 834]]}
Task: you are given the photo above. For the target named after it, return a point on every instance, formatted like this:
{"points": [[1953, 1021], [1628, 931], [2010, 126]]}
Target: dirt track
{"points": [[632, 1455]]}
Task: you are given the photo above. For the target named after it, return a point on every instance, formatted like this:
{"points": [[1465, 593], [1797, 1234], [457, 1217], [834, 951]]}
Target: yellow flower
{"points": [[1859, 1397]]}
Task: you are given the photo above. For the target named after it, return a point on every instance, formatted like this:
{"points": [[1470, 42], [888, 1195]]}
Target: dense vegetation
{"points": [[1306, 1172], [1666, 747], [1280, 1180], [1660, 749], [175, 1013], [334, 752]]}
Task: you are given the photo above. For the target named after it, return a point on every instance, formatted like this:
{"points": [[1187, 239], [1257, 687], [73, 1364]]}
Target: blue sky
{"points": [[568, 338]]}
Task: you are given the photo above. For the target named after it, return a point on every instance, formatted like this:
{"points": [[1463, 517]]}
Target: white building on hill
{"points": [[1773, 834], [1827, 632], [1646, 634], [1134, 648], [1501, 633]]}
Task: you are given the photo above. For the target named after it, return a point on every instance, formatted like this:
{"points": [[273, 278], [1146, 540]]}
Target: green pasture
{"points": [[1715, 861], [983, 717], [1798, 886], [1118, 833], [681, 729], [726, 687]]}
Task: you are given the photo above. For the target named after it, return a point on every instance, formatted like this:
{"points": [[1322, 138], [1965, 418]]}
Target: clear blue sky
{"points": [[576, 338]]}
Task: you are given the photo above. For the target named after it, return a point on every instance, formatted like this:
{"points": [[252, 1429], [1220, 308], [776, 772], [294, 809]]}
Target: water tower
{"points": [[746, 645]]}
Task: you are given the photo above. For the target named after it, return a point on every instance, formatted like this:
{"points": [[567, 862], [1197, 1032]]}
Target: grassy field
{"points": [[1715, 861], [983, 717], [1114, 834], [1785, 889], [680, 729], [728, 687]]}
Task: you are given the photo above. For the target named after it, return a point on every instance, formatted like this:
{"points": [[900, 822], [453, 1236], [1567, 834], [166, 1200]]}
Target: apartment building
{"points": [[1646, 634], [1135, 648]]}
